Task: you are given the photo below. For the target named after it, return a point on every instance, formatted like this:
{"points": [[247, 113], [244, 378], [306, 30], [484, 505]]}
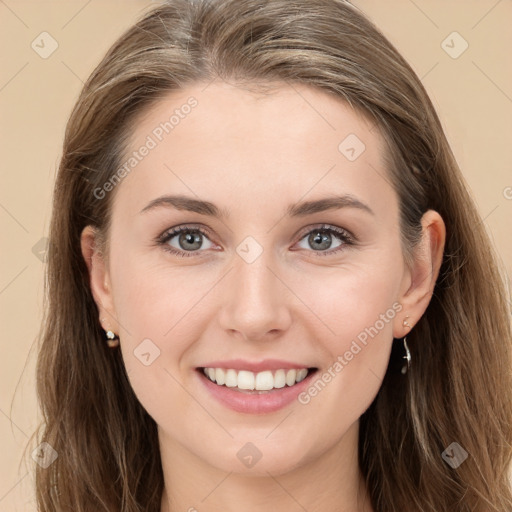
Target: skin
{"points": [[254, 155]]}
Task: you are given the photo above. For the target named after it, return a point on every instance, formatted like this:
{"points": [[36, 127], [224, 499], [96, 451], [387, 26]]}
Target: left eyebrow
{"points": [[328, 203], [301, 209]]}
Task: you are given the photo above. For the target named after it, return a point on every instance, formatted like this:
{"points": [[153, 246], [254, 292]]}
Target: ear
{"points": [[420, 279], [99, 279]]}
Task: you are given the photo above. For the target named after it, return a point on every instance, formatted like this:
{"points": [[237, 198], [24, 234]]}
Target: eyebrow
{"points": [[301, 209]]}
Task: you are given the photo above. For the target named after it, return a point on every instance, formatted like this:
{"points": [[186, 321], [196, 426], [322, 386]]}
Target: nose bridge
{"points": [[252, 273], [253, 301], [254, 280]]}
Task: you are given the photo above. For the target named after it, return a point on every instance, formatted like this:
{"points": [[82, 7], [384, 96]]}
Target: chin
{"points": [[254, 455]]}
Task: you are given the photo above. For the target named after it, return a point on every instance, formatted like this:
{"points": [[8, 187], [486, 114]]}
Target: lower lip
{"points": [[249, 403]]}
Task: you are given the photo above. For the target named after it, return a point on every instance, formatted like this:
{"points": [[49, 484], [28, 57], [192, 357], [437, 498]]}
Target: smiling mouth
{"points": [[256, 383]]}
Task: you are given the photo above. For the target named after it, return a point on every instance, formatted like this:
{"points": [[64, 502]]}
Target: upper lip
{"points": [[253, 366]]}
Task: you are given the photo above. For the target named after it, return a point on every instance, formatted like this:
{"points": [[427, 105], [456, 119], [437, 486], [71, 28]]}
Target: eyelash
{"points": [[347, 238]]}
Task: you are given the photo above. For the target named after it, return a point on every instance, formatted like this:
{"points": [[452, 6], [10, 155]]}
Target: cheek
{"points": [[357, 307], [351, 299], [160, 300], [162, 311]]}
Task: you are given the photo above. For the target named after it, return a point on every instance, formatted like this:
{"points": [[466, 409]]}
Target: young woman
{"points": [[268, 286]]}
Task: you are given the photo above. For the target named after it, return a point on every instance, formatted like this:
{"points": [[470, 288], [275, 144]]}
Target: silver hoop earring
{"points": [[407, 357]]}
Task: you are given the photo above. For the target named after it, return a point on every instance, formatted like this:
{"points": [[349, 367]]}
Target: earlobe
{"points": [[99, 278], [423, 274]]}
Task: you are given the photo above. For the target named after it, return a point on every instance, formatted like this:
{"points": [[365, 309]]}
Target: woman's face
{"points": [[254, 285]]}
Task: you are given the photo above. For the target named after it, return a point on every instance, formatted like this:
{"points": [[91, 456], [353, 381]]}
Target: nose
{"points": [[254, 300]]}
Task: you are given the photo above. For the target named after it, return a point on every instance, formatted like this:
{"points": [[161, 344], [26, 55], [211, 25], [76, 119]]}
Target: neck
{"points": [[329, 482]]}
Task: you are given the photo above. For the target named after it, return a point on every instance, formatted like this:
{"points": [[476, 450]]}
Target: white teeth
{"points": [[280, 379], [290, 377], [220, 376], [262, 381], [245, 380], [301, 374], [231, 378]]}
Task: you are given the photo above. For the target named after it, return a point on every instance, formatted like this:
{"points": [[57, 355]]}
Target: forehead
{"points": [[226, 143]]}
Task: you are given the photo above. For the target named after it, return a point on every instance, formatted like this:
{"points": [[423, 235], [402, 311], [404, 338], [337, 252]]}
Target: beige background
{"points": [[473, 95]]}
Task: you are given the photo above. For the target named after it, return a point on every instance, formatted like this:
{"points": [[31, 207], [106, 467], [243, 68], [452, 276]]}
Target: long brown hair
{"points": [[459, 388]]}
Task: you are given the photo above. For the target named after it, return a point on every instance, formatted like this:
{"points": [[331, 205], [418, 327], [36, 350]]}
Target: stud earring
{"points": [[112, 338], [405, 323]]}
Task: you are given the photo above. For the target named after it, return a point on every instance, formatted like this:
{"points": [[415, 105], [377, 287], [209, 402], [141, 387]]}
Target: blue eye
{"points": [[190, 240], [321, 238]]}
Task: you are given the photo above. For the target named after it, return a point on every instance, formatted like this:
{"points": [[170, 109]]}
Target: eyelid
{"points": [[327, 227], [183, 227]]}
